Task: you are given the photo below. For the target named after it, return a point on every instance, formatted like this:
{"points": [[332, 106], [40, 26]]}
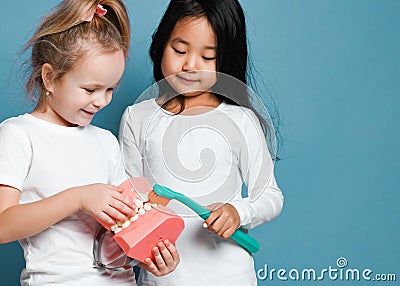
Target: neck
{"points": [[197, 103]]}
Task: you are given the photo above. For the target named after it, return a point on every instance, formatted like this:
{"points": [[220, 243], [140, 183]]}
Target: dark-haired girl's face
{"points": [[189, 58]]}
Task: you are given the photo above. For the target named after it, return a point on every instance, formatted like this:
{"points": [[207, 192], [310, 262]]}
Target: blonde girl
{"points": [[56, 170]]}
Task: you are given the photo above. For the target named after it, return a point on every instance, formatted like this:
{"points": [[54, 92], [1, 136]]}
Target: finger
{"points": [[118, 189], [105, 218], [124, 199], [220, 227], [228, 227], [115, 214], [218, 224], [166, 255], [173, 251], [122, 207], [159, 258], [151, 267], [227, 233], [212, 217]]}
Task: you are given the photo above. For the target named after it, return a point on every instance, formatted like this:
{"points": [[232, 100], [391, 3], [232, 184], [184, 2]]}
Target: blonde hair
{"points": [[62, 39]]}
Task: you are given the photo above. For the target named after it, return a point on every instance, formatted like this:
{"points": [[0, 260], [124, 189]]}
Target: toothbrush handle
{"points": [[242, 238], [246, 241], [196, 207]]}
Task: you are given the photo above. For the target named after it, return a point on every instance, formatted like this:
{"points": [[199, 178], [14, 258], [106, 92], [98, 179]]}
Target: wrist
{"points": [[239, 211], [73, 197]]}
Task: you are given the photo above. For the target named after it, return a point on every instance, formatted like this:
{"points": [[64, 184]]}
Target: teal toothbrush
{"points": [[242, 238]]}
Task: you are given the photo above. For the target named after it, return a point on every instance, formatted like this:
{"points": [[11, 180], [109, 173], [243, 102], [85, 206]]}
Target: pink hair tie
{"points": [[88, 16]]}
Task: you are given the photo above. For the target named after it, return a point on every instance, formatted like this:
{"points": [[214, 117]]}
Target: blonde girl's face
{"points": [[189, 58], [80, 93]]}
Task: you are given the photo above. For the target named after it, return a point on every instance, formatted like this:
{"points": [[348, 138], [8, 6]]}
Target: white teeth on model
{"points": [[135, 217], [138, 203], [126, 224], [140, 209]]}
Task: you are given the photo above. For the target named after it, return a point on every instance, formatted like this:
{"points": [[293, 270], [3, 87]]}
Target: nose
{"points": [[190, 64], [101, 99]]}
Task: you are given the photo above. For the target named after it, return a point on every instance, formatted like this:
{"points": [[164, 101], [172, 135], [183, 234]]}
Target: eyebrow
{"points": [[182, 41], [97, 85]]}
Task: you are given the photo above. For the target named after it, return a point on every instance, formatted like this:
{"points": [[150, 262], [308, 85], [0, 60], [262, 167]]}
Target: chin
{"points": [[77, 124], [193, 93]]}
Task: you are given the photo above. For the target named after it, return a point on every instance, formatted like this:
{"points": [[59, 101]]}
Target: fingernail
{"points": [[205, 225]]}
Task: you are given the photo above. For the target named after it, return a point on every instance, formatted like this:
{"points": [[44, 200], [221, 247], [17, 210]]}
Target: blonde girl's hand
{"points": [[223, 220], [105, 202], [166, 259]]}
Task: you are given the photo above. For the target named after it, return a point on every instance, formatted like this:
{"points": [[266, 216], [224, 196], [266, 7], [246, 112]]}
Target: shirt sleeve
{"points": [[15, 155], [132, 158], [119, 173], [265, 199]]}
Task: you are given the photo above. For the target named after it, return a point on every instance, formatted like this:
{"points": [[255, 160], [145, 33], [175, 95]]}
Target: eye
{"points": [[89, 90], [111, 89], [208, 58], [178, 51]]}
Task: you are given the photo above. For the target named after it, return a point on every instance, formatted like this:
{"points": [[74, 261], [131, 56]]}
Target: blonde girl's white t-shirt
{"points": [[207, 157], [42, 159]]}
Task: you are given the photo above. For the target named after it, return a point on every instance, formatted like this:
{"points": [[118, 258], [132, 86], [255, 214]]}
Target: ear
{"points": [[47, 76]]}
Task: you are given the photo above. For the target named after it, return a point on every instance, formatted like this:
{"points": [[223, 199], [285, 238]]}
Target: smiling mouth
{"points": [[187, 80], [88, 112]]}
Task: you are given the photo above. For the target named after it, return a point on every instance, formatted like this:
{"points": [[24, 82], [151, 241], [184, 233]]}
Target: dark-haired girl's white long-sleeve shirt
{"points": [[207, 157]]}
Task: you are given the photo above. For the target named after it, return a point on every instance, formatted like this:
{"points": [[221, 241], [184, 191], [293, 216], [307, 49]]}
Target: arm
{"points": [[132, 156], [265, 199], [18, 221], [257, 210]]}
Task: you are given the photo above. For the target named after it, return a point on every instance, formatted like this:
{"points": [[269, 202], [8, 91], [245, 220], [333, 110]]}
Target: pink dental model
{"points": [[151, 224]]}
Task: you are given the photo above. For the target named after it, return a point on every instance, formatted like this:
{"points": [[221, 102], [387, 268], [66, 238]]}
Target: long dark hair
{"points": [[227, 19]]}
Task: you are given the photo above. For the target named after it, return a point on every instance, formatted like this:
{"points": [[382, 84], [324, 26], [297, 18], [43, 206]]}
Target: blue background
{"points": [[334, 67]]}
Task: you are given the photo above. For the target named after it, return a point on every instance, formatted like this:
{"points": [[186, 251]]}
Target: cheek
{"points": [[213, 74], [212, 66], [169, 64], [109, 98], [210, 76], [165, 67], [214, 79]]}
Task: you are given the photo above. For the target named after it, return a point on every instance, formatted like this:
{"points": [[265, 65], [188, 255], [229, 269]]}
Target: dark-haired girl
{"points": [[201, 137]]}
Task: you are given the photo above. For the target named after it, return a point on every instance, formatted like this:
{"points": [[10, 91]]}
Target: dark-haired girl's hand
{"points": [[223, 220], [166, 259]]}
